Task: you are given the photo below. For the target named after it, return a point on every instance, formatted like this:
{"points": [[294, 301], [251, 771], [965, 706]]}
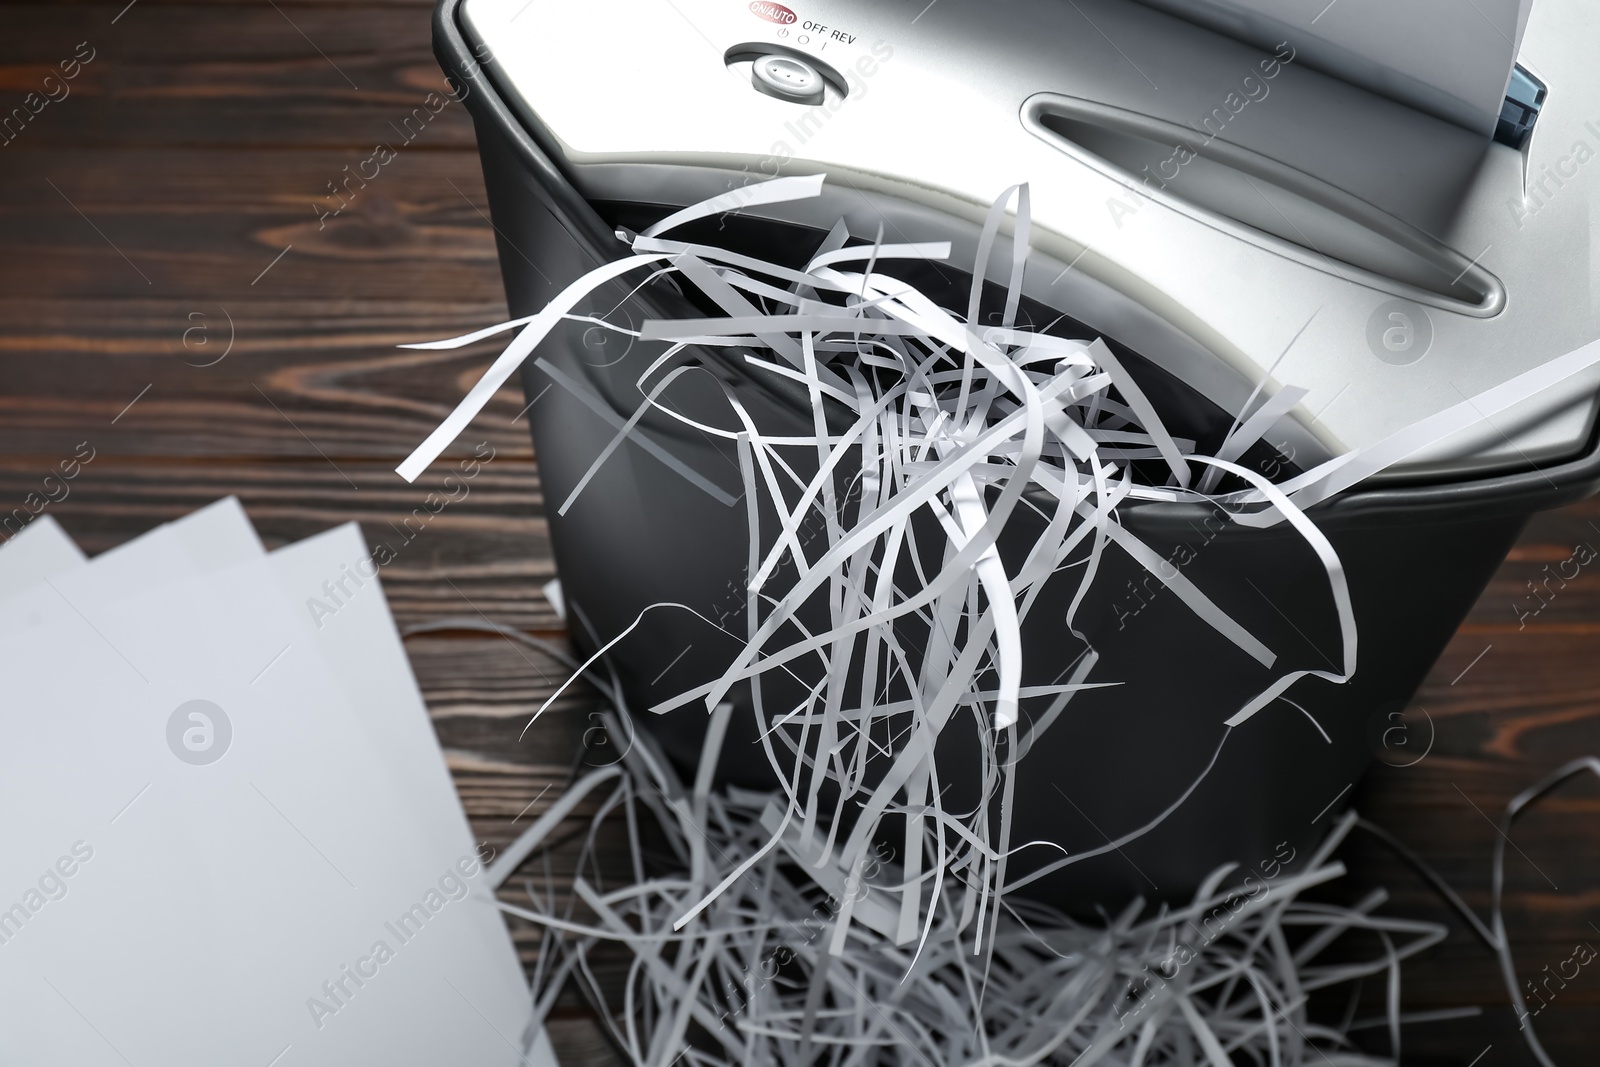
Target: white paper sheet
{"points": [[47, 590], [1446, 57], [41, 550], [331, 581], [318, 757]]}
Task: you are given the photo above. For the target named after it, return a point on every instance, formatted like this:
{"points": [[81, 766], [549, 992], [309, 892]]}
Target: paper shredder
{"points": [[1393, 216]]}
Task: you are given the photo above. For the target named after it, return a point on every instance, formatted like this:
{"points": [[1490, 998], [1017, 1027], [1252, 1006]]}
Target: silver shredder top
{"points": [[1300, 191]]}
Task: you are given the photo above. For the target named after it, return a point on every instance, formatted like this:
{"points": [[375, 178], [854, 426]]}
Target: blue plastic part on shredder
{"points": [[1524, 97]]}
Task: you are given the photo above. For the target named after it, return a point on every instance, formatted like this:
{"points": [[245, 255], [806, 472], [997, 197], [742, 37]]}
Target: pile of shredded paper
{"points": [[782, 931], [773, 971]]}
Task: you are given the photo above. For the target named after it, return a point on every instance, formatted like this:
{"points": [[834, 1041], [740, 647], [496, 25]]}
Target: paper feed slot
{"points": [[1265, 201]]}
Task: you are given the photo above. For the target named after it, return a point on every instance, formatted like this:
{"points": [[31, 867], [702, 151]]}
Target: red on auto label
{"points": [[772, 12]]}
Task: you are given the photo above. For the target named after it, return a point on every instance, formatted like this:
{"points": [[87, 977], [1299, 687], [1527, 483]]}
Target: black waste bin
{"points": [[1169, 271]]}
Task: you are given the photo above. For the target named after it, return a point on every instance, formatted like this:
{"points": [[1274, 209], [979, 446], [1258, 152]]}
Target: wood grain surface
{"points": [[170, 295]]}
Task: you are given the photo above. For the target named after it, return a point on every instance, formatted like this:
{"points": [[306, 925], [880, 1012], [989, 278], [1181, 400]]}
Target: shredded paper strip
{"points": [[780, 931]]}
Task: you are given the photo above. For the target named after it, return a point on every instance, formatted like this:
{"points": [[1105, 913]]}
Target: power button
{"points": [[788, 78]]}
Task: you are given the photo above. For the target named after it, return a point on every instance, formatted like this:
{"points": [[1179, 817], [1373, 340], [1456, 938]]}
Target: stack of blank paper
{"points": [[230, 834]]}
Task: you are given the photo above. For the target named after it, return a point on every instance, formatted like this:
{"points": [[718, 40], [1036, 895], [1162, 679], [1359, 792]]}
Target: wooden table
{"points": [[174, 300]]}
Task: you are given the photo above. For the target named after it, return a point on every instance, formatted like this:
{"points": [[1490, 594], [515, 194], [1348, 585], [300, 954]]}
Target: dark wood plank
{"points": [[101, 5], [288, 388], [484, 551], [214, 75], [201, 226], [1514, 696]]}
